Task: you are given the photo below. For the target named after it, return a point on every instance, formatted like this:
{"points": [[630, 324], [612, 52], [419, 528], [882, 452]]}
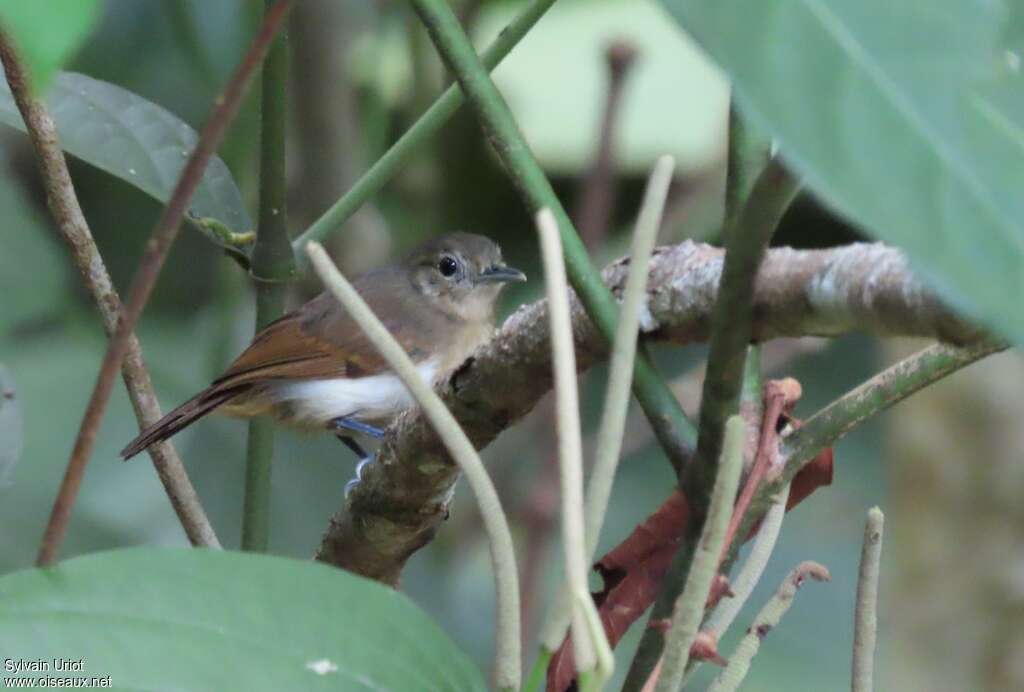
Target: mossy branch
{"points": [[400, 504]]}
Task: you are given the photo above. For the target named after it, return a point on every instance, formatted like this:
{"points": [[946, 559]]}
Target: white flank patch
{"points": [[315, 402], [322, 667]]}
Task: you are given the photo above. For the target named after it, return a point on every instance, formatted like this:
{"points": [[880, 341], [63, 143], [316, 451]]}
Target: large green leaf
{"points": [[211, 620], [11, 428], [135, 140], [908, 116], [47, 32]]}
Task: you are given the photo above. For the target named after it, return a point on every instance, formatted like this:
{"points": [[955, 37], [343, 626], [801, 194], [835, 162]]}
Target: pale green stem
{"points": [[507, 654], [570, 442], [689, 607], [732, 677], [750, 574], [616, 402], [605, 667], [866, 622], [535, 681]]}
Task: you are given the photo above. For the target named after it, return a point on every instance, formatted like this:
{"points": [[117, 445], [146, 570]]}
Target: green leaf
{"points": [[11, 428], [907, 116], [47, 33], [32, 280], [211, 620], [135, 140]]}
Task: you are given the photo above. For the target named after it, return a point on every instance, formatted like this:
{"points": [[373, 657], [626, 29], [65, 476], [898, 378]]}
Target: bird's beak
{"points": [[500, 274]]}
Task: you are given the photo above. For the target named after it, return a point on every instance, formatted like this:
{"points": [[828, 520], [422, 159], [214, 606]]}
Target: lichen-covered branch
{"points": [[404, 498]]}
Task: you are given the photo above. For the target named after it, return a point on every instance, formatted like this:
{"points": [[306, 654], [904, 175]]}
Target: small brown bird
{"points": [[315, 369]]}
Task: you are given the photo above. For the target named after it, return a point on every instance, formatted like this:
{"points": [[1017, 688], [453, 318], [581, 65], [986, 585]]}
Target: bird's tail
{"points": [[181, 417]]}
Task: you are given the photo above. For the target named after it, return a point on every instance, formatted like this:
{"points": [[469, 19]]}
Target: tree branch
{"points": [[63, 203], [401, 501]]}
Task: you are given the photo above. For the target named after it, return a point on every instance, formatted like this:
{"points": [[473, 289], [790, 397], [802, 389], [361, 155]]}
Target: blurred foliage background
{"points": [[361, 73]]}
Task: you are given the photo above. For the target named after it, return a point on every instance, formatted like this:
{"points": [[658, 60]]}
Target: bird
{"points": [[315, 369]]}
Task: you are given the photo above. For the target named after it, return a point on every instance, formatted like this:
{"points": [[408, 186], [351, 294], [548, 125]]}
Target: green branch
{"points": [[746, 241], [427, 126], [689, 608], [273, 264], [673, 430], [888, 387]]}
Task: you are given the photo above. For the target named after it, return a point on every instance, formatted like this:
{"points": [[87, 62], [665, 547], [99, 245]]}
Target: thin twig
{"points": [[780, 396], [71, 223], [570, 443], [750, 574], [152, 260], [616, 402], [892, 385], [689, 608], [508, 647], [422, 130], [739, 663], [273, 263], [673, 429], [866, 622], [596, 203]]}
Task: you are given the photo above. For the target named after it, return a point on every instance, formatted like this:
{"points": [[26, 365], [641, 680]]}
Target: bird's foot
{"points": [[342, 425], [360, 468]]}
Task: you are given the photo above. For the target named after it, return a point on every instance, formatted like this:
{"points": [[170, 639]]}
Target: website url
{"points": [[51, 682]]}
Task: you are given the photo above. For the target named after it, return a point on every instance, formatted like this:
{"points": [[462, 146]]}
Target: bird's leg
{"points": [[347, 424], [356, 448]]}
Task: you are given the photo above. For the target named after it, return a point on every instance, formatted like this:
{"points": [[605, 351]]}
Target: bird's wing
{"points": [[319, 340]]}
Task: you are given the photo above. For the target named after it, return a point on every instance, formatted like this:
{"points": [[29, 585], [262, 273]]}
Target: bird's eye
{"points": [[448, 266]]}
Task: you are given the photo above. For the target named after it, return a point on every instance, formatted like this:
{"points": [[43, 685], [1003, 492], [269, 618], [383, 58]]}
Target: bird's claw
{"points": [[360, 468]]}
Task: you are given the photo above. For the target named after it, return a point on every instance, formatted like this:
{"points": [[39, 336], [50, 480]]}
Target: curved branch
{"points": [[402, 500]]}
